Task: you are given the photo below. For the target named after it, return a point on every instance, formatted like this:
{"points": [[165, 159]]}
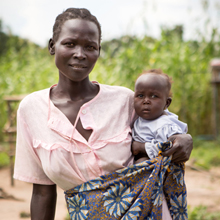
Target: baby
{"points": [[155, 123]]}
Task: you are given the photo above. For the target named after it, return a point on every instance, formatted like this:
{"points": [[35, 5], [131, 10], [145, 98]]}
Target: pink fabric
{"points": [[46, 153], [165, 210]]}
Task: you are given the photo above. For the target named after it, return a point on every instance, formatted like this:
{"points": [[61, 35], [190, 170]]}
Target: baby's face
{"points": [[151, 96]]}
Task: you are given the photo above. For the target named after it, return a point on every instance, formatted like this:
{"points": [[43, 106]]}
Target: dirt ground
{"points": [[202, 187]]}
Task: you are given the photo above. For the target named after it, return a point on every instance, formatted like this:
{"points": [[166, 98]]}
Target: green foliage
{"points": [[187, 63], [25, 214], [67, 217], [201, 213], [25, 67], [4, 159], [206, 153]]}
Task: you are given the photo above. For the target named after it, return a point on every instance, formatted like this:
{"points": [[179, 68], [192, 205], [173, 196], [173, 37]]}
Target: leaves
{"points": [[26, 67]]}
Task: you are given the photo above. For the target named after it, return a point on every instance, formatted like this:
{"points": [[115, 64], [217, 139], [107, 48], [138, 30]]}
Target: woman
{"points": [[77, 130]]}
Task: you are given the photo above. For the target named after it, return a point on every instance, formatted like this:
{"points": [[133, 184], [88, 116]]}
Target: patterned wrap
{"points": [[134, 192]]}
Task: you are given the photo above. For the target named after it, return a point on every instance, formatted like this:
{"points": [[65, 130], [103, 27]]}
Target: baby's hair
{"points": [[160, 72], [74, 13]]}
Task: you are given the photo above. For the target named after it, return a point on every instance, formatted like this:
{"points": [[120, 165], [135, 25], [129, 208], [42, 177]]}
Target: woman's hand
{"points": [[181, 149], [43, 202]]}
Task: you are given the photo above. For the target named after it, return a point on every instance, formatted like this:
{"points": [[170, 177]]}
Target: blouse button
{"points": [[84, 111]]}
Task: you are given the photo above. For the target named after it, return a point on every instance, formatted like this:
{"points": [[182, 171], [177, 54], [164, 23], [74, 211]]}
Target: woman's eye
{"points": [[90, 48], [69, 44]]}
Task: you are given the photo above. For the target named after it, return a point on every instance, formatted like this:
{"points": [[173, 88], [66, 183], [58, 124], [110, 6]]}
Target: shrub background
{"points": [[25, 67]]}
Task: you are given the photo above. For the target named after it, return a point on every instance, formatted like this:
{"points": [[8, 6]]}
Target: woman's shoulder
{"points": [[33, 99], [120, 90]]}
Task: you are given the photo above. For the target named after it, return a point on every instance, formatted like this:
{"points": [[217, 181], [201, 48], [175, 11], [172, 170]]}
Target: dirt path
{"points": [[202, 187], [10, 209]]}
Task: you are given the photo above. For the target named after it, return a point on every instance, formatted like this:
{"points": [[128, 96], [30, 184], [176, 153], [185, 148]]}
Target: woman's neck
{"points": [[74, 91]]}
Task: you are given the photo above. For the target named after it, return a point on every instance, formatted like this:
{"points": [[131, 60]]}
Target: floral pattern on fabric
{"points": [[157, 193], [134, 211], [179, 207], [78, 208], [178, 174], [134, 192], [91, 185], [117, 199]]}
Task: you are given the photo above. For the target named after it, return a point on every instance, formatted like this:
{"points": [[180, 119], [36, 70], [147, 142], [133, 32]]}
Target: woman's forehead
{"points": [[80, 27]]}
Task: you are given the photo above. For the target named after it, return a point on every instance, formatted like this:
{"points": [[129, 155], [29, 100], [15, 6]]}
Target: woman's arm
{"points": [[180, 151], [43, 202]]}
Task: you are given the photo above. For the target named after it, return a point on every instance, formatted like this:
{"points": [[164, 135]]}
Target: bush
{"points": [[200, 213], [4, 159]]}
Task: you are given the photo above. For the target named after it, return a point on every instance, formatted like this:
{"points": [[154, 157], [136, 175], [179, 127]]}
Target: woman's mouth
{"points": [[78, 66]]}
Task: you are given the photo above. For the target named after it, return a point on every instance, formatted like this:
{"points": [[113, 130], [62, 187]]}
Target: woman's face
{"points": [[77, 49]]}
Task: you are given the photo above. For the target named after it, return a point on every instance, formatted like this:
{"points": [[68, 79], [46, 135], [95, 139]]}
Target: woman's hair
{"points": [[160, 72], [73, 13]]}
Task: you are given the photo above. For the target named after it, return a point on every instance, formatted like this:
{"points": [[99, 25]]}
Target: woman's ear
{"points": [[168, 102], [51, 46]]}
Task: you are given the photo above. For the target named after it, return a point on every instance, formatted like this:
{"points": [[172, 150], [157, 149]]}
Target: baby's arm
{"points": [[150, 150], [181, 149], [138, 150]]}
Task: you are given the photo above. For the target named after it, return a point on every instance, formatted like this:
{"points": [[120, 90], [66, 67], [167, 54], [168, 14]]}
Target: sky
{"points": [[34, 19]]}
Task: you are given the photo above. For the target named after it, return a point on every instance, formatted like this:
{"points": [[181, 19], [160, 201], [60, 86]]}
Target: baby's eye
{"points": [[140, 96], [154, 96]]}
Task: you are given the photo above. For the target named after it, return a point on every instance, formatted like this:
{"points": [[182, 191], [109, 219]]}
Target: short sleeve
{"points": [[28, 167], [166, 131], [152, 149]]}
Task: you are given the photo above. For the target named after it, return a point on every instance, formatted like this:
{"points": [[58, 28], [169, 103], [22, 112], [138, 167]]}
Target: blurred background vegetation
{"points": [[25, 67]]}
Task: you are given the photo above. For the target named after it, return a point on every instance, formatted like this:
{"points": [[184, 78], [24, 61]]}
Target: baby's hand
{"points": [[138, 148]]}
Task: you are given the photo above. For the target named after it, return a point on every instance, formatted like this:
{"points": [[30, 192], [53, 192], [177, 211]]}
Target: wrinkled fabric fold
{"points": [[135, 192]]}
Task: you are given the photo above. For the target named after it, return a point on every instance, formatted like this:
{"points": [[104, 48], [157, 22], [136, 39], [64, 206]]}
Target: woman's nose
{"points": [[78, 52]]}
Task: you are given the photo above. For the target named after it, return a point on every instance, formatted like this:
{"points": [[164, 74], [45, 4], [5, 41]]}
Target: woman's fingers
{"points": [[181, 149]]}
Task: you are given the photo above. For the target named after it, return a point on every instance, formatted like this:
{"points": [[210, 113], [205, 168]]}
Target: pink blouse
{"points": [[51, 151]]}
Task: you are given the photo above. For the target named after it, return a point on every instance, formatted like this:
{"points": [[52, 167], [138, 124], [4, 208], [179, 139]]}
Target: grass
{"points": [[67, 217], [206, 154], [25, 215], [4, 158], [201, 213]]}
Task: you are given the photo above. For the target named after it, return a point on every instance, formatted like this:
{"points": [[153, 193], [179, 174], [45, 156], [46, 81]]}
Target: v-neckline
{"points": [[67, 121]]}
